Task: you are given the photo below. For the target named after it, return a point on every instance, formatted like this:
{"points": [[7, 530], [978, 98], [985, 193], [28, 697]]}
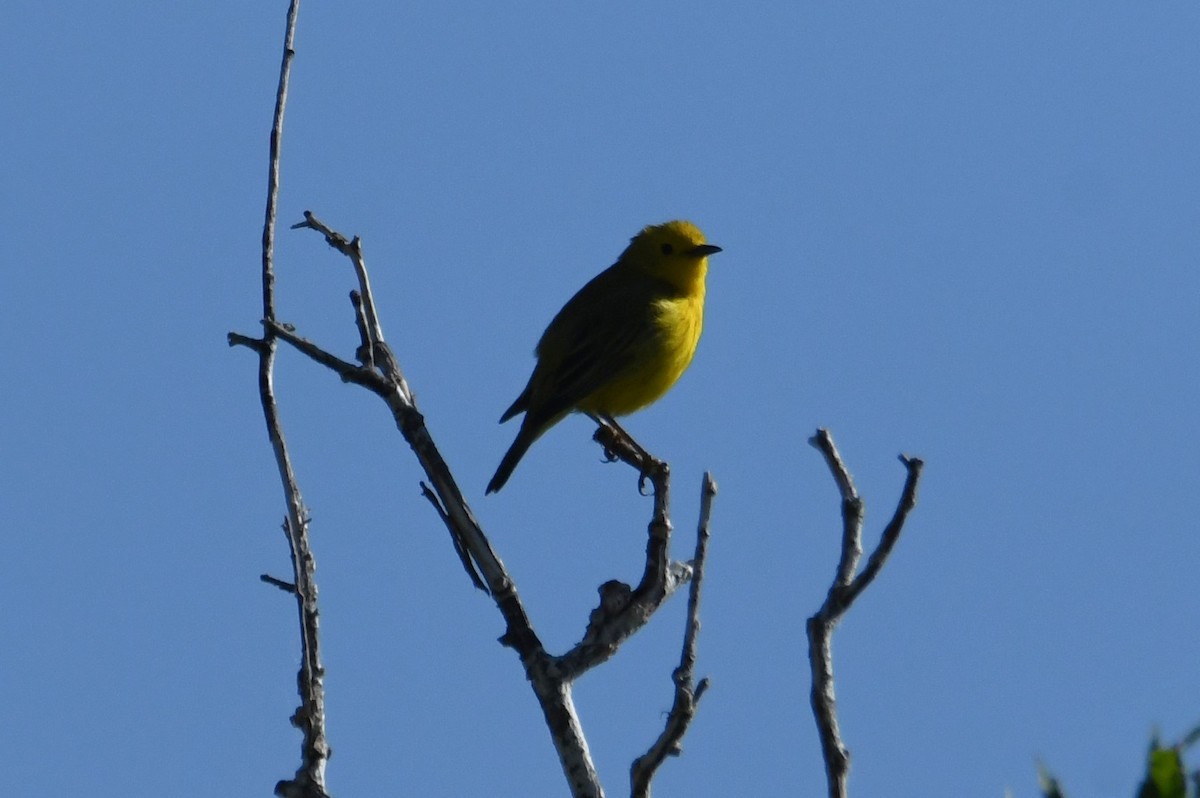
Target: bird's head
{"points": [[674, 251]]}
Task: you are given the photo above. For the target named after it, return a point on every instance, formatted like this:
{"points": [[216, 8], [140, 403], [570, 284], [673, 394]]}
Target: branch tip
{"points": [[258, 345], [286, 587]]}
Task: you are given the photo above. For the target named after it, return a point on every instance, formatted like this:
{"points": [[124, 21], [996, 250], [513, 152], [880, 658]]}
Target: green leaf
{"points": [[1165, 777]]}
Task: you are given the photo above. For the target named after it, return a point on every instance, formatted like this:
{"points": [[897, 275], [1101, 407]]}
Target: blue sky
{"points": [[969, 232]]}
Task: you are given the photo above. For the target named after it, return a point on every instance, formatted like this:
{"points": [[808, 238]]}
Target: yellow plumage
{"points": [[622, 341]]}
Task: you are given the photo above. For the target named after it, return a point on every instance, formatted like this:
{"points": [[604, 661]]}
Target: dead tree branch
{"points": [[687, 691], [309, 780], [848, 585]]}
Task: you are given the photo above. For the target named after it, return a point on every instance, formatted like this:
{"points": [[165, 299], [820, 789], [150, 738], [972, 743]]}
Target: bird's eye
{"points": [[667, 249]]}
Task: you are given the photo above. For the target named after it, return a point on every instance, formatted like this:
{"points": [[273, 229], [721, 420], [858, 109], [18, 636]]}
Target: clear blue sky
{"points": [[966, 231]]}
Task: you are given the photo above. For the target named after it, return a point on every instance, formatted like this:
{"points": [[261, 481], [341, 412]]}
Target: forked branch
{"points": [[848, 585]]}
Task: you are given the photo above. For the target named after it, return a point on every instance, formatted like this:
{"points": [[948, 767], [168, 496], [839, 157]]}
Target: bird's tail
{"points": [[525, 439]]}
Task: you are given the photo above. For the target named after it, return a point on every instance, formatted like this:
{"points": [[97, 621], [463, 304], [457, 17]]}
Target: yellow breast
{"points": [[678, 322]]}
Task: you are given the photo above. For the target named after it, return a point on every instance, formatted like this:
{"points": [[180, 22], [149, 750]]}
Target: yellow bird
{"points": [[621, 342]]}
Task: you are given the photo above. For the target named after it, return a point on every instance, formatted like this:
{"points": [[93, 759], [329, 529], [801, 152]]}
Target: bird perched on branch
{"points": [[621, 342]]}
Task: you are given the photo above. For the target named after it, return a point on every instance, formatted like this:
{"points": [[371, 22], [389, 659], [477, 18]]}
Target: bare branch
{"points": [[309, 780], [845, 589], [364, 300], [464, 556], [852, 508], [687, 692], [254, 344], [286, 587], [349, 372], [660, 578], [891, 533], [393, 389], [309, 717], [365, 352]]}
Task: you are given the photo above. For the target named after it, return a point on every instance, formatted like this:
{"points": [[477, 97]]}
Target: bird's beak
{"points": [[704, 250]]}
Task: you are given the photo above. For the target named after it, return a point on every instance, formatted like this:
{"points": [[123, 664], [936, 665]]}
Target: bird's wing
{"points": [[594, 338]]}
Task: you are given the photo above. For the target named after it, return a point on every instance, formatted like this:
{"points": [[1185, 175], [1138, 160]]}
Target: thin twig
{"points": [[847, 586], [309, 780], [852, 508], [364, 302], [891, 533], [286, 587], [687, 692]]}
